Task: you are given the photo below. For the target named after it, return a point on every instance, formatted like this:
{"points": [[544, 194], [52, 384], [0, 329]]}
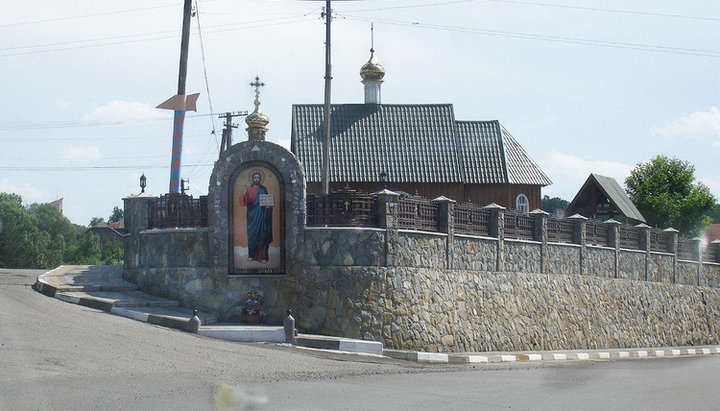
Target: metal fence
{"points": [[471, 220], [342, 209], [417, 214], [560, 230], [519, 225], [178, 210]]}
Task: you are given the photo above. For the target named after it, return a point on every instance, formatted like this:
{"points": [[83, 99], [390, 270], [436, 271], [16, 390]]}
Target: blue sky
{"points": [[585, 86]]}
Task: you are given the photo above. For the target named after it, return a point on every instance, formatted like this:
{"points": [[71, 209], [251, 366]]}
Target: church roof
{"points": [[612, 191], [411, 143]]}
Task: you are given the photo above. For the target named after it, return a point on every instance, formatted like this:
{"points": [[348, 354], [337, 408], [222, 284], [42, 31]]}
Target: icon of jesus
{"points": [[259, 220]]}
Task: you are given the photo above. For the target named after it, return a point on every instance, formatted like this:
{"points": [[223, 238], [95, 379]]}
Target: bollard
{"points": [[289, 325], [194, 323]]}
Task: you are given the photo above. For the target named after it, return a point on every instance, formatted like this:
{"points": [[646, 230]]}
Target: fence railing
{"points": [[597, 233], [519, 225], [686, 249], [417, 214], [472, 220], [659, 241], [629, 237], [560, 230], [342, 209], [178, 210]]}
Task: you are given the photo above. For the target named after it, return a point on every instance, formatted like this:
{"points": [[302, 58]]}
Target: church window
{"points": [[521, 203]]}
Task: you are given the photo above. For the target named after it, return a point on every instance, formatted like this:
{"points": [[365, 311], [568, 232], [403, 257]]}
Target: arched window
{"points": [[522, 203]]}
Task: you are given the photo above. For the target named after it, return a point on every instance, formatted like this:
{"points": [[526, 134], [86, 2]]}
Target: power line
{"points": [[542, 37], [68, 124], [151, 38], [82, 16], [85, 168]]}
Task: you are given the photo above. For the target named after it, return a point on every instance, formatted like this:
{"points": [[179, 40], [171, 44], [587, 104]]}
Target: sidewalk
{"points": [[103, 288]]}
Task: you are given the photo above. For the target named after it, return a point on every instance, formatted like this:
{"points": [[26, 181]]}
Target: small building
{"points": [[712, 233], [108, 231], [602, 198], [415, 148]]}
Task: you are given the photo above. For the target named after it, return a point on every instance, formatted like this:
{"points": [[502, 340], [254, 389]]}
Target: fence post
{"points": [[136, 217], [716, 244], [697, 256], [645, 245], [497, 230], [446, 224], [387, 208], [579, 236], [614, 241], [540, 234], [672, 247]]}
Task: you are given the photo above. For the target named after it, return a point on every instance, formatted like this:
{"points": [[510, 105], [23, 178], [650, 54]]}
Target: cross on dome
{"points": [[257, 84]]}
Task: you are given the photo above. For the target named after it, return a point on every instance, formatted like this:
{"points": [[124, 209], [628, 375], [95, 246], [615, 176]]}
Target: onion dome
{"points": [[372, 70], [257, 118]]}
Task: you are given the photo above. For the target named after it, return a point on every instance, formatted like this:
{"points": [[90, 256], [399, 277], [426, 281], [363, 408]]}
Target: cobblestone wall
{"points": [[563, 259], [441, 310], [686, 273], [522, 256], [351, 247], [631, 265], [411, 249], [472, 253], [711, 275], [660, 268], [599, 262]]}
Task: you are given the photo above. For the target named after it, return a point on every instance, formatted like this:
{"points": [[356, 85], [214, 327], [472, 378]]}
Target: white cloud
{"points": [[126, 111], [28, 193], [80, 154], [697, 124], [569, 172]]}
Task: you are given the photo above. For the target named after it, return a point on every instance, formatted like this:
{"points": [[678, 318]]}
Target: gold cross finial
{"points": [[257, 84]]}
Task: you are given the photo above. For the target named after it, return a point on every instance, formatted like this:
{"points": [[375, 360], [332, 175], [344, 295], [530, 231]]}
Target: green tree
{"points": [[714, 214], [665, 192], [22, 244], [95, 221], [117, 215], [555, 206]]}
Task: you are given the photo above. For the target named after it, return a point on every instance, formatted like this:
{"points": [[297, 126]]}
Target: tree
{"points": [[714, 214], [117, 215], [665, 192], [95, 221], [555, 206]]}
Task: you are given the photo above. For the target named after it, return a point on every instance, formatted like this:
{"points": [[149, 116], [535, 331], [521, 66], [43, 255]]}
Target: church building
{"points": [[415, 148]]}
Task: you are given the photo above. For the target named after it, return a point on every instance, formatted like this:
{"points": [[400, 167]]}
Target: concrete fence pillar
{"points": [[614, 242], [387, 209], [716, 244], [540, 219], [497, 230], [136, 217], [579, 236], [446, 224], [672, 246], [645, 246], [697, 256]]}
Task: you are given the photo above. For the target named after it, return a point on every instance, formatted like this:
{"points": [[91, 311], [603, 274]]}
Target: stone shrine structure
{"points": [[430, 275]]}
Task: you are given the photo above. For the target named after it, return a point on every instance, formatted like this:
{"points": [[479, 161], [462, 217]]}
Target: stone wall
{"points": [[458, 310], [416, 249], [599, 261], [475, 253], [522, 256], [631, 265], [710, 275], [660, 267], [344, 246], [563, 258]]}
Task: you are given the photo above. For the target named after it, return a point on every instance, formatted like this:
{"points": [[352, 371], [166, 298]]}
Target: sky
{"points": [[585, 86]]}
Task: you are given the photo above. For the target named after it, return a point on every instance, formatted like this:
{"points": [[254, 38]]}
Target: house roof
{"points": [[712, 232], [411, 143], [613, 192]]}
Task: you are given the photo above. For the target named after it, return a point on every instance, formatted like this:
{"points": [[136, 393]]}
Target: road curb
{"points": [[552, 356]]}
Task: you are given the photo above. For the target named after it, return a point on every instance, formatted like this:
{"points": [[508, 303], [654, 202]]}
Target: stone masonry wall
{"points": [[563, 259], [711, 275], [631, 265], [475, 253], [345, 246], [522, 256], [660, 267], [456, 310]]}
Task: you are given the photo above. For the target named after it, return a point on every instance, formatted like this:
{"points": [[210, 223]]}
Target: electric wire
{"points": [[542, 37]]}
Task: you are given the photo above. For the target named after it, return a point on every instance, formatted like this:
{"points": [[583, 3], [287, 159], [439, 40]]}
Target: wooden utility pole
{"points": [[326, 125], [226, 142]]}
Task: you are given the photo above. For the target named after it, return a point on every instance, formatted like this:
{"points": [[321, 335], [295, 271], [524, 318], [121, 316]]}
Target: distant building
{"points": [[602, 198], [415, 148], [712, 233], [59, 204], [108, 231]]}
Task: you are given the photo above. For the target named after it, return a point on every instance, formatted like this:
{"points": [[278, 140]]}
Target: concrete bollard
{"points": [[194, 323], [289, 325]]}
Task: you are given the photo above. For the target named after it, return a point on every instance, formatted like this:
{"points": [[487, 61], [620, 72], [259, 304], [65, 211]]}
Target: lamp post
{"points": [[384, 179], [143, 183]]}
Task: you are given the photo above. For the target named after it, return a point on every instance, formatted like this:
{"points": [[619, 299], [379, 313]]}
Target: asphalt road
{"points": [[60, 356]]}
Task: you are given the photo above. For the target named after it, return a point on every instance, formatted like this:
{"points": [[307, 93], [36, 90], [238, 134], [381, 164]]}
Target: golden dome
{"points": [[257, 118], [372, 70]]}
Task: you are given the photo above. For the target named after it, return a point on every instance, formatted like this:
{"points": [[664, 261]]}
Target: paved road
{"points": [[55, 355]]}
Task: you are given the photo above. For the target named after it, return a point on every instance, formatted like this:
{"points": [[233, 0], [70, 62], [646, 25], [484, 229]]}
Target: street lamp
{"points": [[143, 183], [384, 179]]}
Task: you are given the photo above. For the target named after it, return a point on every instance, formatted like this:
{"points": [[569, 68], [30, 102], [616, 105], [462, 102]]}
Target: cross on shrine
{"points": [[257, 84]]}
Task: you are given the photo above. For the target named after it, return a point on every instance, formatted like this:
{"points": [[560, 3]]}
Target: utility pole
{"points": [[328, 77], [179, 118], [226, 141]]}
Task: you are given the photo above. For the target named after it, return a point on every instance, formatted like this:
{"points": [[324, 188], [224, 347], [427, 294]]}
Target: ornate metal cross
{"points": [[257, 84]]}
